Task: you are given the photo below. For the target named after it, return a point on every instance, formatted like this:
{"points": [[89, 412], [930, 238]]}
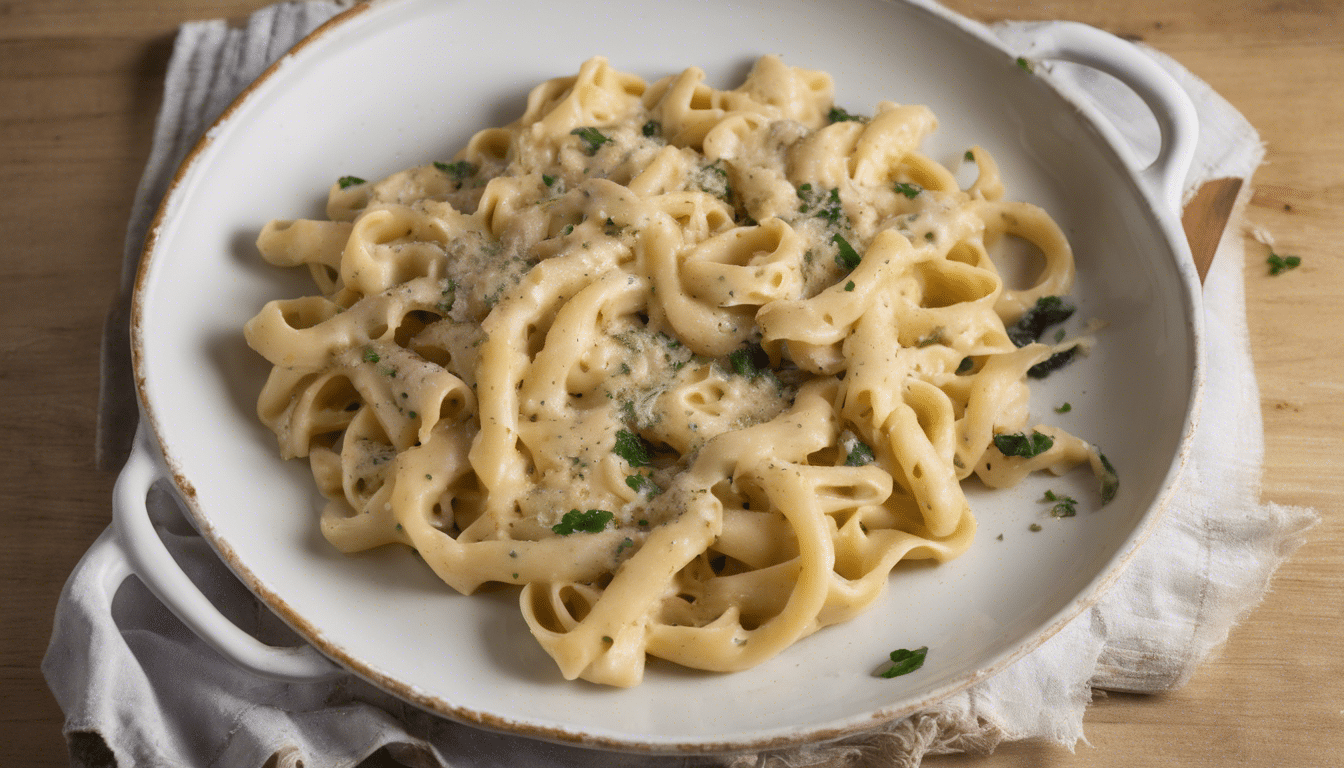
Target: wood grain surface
{"points": [[79, 88]]}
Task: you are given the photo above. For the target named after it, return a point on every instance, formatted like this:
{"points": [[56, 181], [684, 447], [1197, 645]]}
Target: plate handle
{"points": [[1176, 116], [150, 560]]}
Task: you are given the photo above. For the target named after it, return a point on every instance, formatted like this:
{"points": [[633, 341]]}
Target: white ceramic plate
{"points": [[401, 83]]}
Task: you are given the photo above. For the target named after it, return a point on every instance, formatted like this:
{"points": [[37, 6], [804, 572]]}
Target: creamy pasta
{"points": [[693, 367]]}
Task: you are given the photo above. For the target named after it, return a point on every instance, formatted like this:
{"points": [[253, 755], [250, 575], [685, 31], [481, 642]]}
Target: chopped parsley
{"points": [[839, 115], [1052, 363], [750, 361], [969, 156], [592, 137], [905, 661], [632, 448], [1065, 408], [1064, 506], [845, 255], [574, 521], [1110, 481], [823, 205], [849, 286], [859, 455], [643, 484], [459, 170], [547, 180], [1025, 65], [625, 544], [714, 181], [1278, 264], [1034, 527], [1019, 444], [911, 191], [1048, 311], [345, 182], [370, 356], [651, 129]]}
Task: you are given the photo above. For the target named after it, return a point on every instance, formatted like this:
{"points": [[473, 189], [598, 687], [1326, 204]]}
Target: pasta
{"points": [[693, 367]]}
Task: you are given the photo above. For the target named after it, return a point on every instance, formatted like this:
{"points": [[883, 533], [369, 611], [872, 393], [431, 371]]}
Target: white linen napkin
{"points": [[139, 689]]}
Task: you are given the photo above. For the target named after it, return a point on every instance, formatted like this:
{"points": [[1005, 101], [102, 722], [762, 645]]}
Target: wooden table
{"points": [[79, 87]]}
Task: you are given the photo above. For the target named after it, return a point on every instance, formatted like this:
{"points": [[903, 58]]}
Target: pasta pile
{"points": [[694, 367]]}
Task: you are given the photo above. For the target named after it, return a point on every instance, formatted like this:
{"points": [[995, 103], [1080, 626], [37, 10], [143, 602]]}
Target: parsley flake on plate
{"points": [[1047, 311], [1064, 506], [1110, 481], [905, 661]]}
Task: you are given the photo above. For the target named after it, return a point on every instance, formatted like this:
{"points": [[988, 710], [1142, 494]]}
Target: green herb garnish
{"points": [[574, 521], [845, 256], [904, 661], [823, 205], [849, 286], [592, 137], [750, 361], [1048, 311], [547, 180], [1065, 408], [632, 448], [459, 170], [1278, 264], [1052, 363], [1019, 444], [642, 483], [651, 129], [370, 356], [1110, 481], [911, 191], [1025, 65], [1064, 506], [859, 455], [345, 182], [969, 156], [839, 115]]}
